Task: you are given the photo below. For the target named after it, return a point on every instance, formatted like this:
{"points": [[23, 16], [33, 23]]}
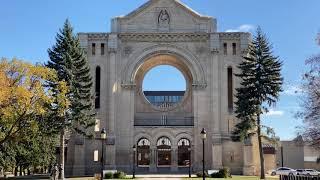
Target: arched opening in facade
{"points": [[143, 150], [164, 152], [184, 152], [164, 86]]}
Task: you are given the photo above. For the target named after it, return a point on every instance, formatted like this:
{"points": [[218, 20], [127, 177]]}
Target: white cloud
{"points": [[274, 113], [292, 90], [243, 28]]}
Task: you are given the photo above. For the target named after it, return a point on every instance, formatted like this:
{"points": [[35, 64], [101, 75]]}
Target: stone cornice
{"points": [[97, 36], [164, 37], [230, 36]]}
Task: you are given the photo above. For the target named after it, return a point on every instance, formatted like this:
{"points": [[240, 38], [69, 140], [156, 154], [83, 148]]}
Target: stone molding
{"points": [[139, 57], [230, 35], [164, 37], [98, 36]]}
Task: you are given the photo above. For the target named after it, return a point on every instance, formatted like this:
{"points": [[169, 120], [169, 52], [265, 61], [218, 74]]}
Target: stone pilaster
{"points": [[248, 161], [216, 152], [153, 160], [79, 161], [174, 159]]}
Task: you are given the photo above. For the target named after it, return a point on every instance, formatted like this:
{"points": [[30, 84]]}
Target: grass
{"points": [[240, 178]]}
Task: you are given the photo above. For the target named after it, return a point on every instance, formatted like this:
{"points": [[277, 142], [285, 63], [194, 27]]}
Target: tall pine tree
{"points": [[261, 83], [69, 60]]}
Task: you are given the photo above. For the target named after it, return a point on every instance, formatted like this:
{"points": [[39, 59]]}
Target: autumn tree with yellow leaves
{"points": [[25, 103]]}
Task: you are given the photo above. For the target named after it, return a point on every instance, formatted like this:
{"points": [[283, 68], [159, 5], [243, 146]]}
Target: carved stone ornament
{"points": [[128, 85], [163, 18], [199, 85]]}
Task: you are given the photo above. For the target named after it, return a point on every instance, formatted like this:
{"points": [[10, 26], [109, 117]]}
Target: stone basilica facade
{"points": [[167, 132]]}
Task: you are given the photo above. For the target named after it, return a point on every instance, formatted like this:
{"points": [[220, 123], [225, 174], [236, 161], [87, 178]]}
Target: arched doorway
{"points": [[164, 152], [143, 150], [184, 152]]}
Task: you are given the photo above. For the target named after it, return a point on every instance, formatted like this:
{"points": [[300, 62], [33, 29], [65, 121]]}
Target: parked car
{"points": [[283, 171], [308, 172]]}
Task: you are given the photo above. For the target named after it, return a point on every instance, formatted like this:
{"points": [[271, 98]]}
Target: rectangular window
{"points": [[234, 48], [93, 49], [230, 89], [102, 49], [96, 156], [225, 49], [97, 126]]}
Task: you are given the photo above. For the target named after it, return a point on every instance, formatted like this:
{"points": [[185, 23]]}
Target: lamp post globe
{"points": [[103, 133], [203, 134], [203, 137]]}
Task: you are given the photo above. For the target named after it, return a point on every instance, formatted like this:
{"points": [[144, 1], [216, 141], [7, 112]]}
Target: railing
{"points": [[164, 122], [299, 177]]}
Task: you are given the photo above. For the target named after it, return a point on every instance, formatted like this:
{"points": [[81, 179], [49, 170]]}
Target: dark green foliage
{"points": [[199, 174], [261, 83], [119, 175], [108, 175], [69, 60], [223, 173]]}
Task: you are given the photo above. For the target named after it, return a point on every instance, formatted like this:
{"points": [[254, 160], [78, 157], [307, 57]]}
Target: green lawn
{"points": [[240, 178]]}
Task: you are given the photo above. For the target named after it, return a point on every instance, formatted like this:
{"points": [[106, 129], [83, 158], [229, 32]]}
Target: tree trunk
{"points": [[61, 165], [16, 171], [20, 174], [262, 174]]}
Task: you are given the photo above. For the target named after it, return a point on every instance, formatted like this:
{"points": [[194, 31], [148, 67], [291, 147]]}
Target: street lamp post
{"points": [[103, 137], [203, 137], [189, 150], [134, 162]]}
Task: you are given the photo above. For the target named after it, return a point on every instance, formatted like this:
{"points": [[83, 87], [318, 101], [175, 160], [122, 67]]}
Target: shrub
{"points": [[108, 175], [119, 175], [199, 174], [223, 173]]}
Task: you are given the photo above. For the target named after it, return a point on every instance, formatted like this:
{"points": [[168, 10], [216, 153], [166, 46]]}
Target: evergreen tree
{"points": [[69, 60], [260, 87]]}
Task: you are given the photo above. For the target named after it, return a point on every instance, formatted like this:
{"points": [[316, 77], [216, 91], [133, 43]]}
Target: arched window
{"points": [[184, 152], [230, 89], [97, 88], [164, 151], [143, 155]]}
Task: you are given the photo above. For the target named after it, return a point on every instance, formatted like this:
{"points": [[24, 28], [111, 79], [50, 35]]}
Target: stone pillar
{"points": [[248, 162], [174, 159], [112, 49], [153, 160]]}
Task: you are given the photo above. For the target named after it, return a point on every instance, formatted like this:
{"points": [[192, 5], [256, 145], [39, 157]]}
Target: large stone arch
{"points": [[137, 59]]}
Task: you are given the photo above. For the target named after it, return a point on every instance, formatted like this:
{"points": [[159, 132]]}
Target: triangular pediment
{"points": [[164, 16]]}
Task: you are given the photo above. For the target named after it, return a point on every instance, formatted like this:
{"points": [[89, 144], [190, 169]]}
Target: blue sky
{"points": [[28, 28]]}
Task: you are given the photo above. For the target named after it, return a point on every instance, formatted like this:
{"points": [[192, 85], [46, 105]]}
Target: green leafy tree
{"points": [[261, 83], [69, 60]]}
